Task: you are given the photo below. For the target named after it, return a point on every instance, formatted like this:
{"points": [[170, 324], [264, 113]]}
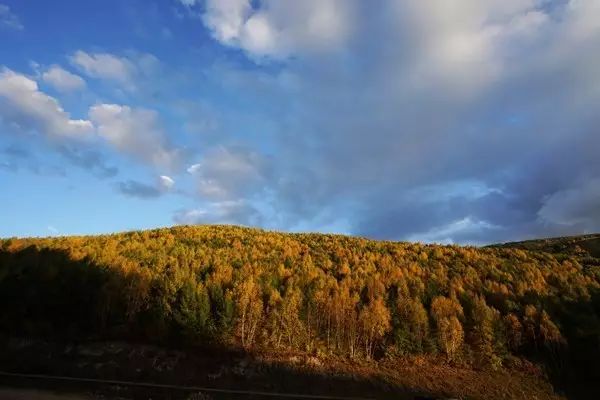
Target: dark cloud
{"points": [[88, 159], [163, 184], [138, 189], [14, 158]]}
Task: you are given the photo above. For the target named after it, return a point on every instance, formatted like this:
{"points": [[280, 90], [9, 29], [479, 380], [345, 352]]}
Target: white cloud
{"points": [[226, 18], [229, 173], [193, 168], [106, 66], [8, 19], [282, 27], [584, 20], [189, 3], [135, 131], [25, 107], [222, 212], [127, 71], [166, 182], [63, 80], [444, 234], [437, 43]]}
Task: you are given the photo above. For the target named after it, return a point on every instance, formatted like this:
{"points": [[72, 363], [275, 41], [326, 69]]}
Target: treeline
{"points": [[326, 294]]}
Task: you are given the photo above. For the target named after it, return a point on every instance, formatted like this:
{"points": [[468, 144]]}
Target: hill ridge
{"points": [[324, 294]]}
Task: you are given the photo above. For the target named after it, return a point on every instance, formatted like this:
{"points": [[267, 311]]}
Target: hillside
{"points": [[427, 310], [582, 246]]}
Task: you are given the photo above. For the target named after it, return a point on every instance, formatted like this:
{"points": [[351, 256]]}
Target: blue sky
{"points": [[470, 122]]}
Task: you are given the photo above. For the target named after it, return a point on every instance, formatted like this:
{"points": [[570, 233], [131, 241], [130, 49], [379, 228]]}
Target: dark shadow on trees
{"points": [[571, 365], [578, 372], [62, 316]]}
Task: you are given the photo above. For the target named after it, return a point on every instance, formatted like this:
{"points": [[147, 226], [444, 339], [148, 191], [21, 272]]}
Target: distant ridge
{"points": [[578, 245]]}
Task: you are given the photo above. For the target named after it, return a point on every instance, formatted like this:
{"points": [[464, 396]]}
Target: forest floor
{"points": [[415, 378]]}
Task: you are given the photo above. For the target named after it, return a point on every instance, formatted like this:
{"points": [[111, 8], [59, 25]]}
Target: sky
{"points": [[449, 121]]}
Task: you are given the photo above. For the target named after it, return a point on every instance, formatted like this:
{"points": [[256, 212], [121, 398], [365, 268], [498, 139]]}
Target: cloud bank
{"points": [[24, 106], [470, 121]]}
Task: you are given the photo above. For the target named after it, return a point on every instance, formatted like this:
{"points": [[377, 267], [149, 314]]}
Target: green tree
{"points": [[412, 325], [192, 311]]}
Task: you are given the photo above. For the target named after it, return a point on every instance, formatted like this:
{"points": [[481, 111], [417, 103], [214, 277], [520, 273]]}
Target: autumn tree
{"points": [[412, 325], [484, 331], [323, 293], [450, 336], [249, 310], [514, 331], [374, 323], [446, 312]]}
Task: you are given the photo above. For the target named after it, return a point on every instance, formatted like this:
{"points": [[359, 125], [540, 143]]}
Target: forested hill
{"points": [[325, 294], [582, 246]]}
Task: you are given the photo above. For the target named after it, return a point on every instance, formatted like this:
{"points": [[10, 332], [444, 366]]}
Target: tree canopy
{"points": [[307, 292]]}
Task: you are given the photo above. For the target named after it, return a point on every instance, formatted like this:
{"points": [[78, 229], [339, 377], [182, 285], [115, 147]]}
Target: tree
{"points": [[249, 310], [514, 331], [444, 307], [450, 334], [483, 337], [412, 325], [303, 291], [192, 311], [291, 325], [531, 324], [549, 332], [375, 323], [222, 307]]}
